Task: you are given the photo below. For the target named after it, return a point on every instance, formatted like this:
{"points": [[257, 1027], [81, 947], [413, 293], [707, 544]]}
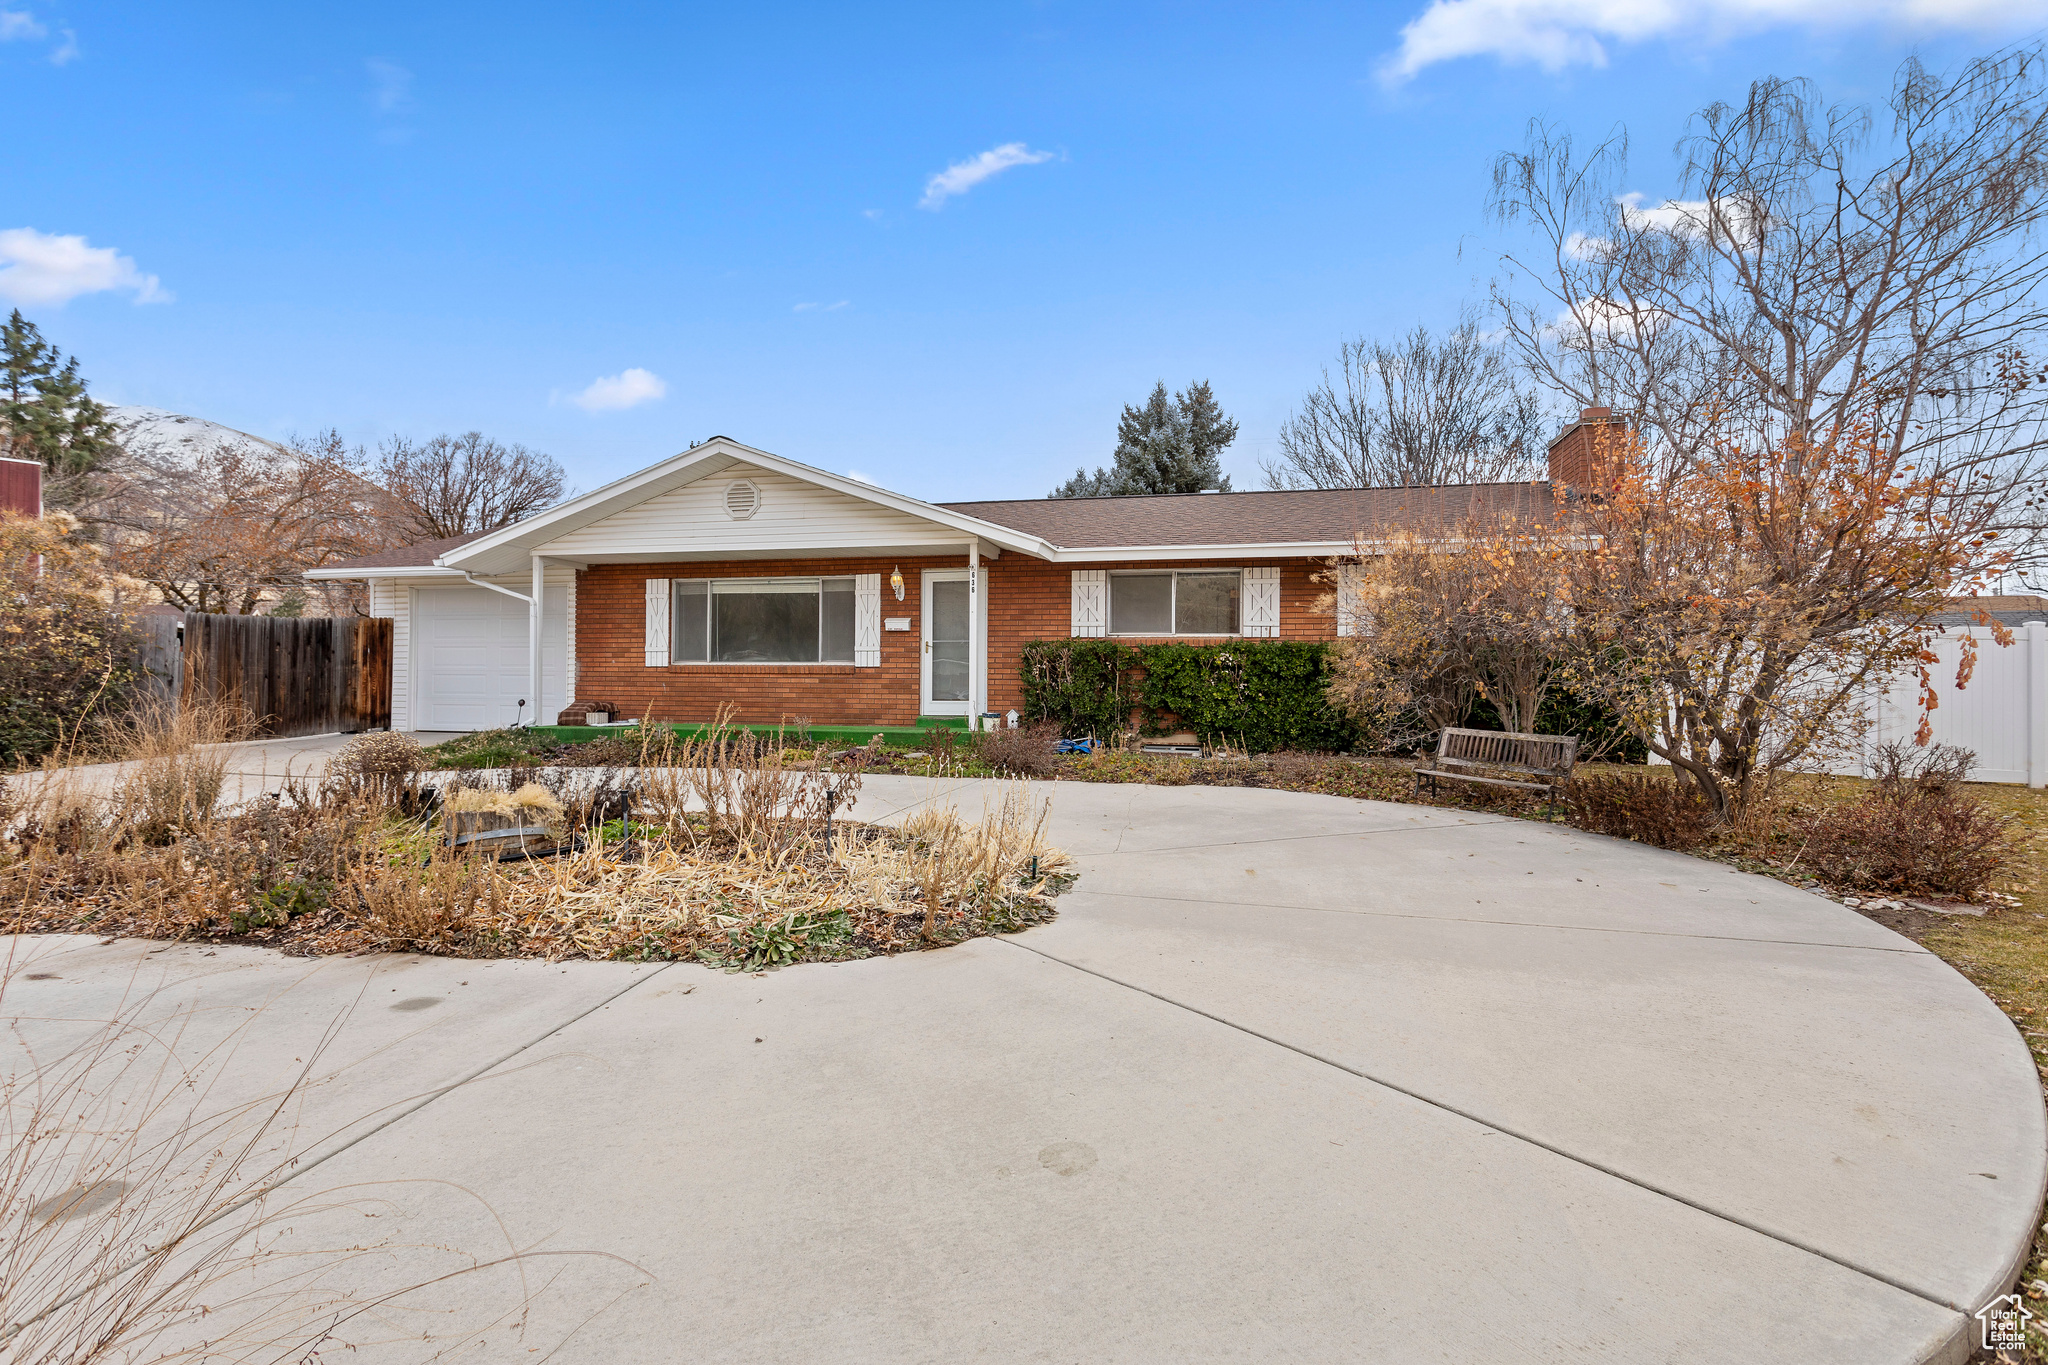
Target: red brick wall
{"points": [[1028, 599]]}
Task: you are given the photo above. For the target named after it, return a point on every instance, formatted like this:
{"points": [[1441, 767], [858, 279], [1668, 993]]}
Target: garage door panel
{"points": [[471, 661]]}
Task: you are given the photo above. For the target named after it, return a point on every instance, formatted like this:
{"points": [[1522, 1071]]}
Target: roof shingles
{"points": [[1314, 516], [416, 556], [1292, 516]]}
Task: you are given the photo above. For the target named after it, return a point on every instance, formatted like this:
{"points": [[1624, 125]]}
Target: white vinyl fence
{"points": [[2002, 715]]}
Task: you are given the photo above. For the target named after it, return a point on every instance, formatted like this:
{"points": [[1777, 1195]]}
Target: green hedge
{"points": [[1264, 695]]}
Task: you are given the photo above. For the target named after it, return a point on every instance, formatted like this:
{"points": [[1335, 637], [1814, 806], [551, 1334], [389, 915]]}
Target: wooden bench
{"points": [[1537, 762]]}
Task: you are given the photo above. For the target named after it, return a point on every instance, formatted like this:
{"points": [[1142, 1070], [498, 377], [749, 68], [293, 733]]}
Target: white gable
{"points": [[790, 514]]}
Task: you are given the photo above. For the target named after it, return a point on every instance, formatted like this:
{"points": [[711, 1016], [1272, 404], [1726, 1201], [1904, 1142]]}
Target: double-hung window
{"points": [[762, 620], [1174, 602]]}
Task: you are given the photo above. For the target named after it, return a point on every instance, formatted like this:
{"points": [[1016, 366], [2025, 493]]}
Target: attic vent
{"points": [[742, 499]]}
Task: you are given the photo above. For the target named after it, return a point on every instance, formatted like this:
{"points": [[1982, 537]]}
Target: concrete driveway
{"points": [[1291, 1078], [255, 767]]}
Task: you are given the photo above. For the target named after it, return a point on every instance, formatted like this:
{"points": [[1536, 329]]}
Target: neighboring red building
{"points": [[21, 487], [727, 574]]}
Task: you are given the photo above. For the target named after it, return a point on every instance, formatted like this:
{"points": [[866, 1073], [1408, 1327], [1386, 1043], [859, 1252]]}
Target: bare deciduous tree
{"points": [[1731, 608], [1444, 615], [246, 522], [1820, 276], [456, 485], [1428, 410]]}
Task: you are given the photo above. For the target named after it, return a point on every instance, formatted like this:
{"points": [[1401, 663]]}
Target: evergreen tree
{"points": [[46, 414], [1173, 444]]}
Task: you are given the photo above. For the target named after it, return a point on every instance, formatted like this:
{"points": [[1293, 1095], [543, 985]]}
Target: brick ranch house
{"points": [[727, 574]]}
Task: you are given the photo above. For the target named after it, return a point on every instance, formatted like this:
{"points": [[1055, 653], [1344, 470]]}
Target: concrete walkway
{"points": [[1291, 1078], [255, 767]]}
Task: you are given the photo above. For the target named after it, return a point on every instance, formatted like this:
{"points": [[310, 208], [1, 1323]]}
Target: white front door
{"points": [[946, 654]]}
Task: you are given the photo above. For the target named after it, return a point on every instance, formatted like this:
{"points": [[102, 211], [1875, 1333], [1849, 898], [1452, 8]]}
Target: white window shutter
{"points": [[1262, 603], [657, 623], [1350, 613], [867, 620], [1090, 603]]}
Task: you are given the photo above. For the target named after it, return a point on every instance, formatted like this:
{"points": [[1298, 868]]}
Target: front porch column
{"points": [[977, 688], [534, 618]]}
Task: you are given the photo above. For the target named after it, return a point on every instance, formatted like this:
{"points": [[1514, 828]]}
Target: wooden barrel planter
{"points": [[489, 831]]}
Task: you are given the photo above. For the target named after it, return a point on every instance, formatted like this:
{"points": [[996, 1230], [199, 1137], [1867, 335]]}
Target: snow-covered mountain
{"points": [[170, 442]]}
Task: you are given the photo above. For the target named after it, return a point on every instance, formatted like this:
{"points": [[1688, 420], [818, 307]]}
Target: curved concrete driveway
{"points": [[1291, 1078]]}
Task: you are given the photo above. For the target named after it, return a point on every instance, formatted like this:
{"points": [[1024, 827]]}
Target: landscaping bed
{"points": [[726, 854]]}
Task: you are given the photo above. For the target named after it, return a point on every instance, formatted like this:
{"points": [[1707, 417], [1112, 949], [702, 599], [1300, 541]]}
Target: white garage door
{"points": [[469, 650]]}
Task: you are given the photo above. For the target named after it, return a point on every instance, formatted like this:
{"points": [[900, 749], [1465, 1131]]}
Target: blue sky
{"points": [[426, 217]]}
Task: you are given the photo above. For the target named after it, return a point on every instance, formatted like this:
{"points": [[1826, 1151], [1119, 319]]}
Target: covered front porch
{"points": [[728, 581]]}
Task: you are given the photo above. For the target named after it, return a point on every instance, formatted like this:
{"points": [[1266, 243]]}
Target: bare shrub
{"points": [[1649, 810], [939, 861], [968, 866], [1934, 766], [1029, 750], [746, 788], [382, 767], [62, 671], [1915, 832], [59, 817], [176, 766], [435, 908]]}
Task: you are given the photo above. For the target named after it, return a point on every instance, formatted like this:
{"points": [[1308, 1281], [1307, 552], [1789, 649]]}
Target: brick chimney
{"points": [[1578, 451]]}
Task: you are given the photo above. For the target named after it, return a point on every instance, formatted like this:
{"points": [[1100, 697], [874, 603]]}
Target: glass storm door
{"points": [[946, 628]]}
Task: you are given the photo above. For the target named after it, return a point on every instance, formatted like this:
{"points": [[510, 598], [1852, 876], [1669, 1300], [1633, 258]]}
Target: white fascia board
{"points": [[417, 572], [1287, 550], [535, 532]]}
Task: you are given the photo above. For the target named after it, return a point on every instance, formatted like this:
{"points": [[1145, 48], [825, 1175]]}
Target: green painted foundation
{"points": [[898, 736]]}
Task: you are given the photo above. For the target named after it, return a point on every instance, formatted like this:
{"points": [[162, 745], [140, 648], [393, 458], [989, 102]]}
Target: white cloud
{"points": [[821, 307], [1604, 322], [39, 268], [19, 23], [1581, 247], [859, 477], [1681, 217], [963, 176], [1689, 217], [67, 51], [390, 85], [1554, 34], [627, 389]]}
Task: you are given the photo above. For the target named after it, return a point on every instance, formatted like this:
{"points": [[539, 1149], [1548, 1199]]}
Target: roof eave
{"points": [[428, 571], [1293, 549], [535, 532]]}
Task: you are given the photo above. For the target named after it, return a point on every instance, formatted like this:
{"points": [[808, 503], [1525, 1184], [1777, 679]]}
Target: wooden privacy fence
{"points": [[297, 676]]}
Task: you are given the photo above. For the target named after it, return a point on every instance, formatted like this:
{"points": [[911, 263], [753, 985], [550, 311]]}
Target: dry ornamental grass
{"points": [[720, 849]]}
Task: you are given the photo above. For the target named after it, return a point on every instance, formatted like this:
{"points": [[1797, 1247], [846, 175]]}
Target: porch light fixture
{"points": [[896, 582]]}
